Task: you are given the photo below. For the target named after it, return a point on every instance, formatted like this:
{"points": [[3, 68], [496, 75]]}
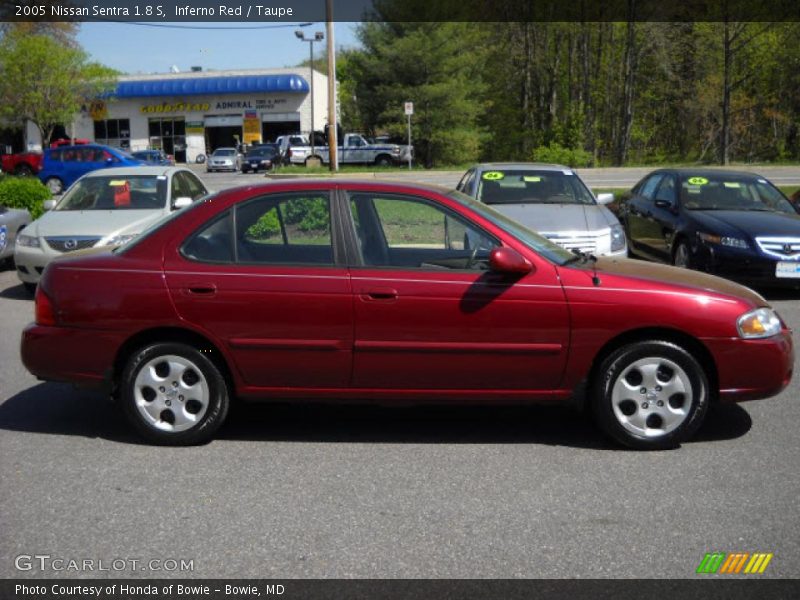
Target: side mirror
{"points": [[606, 198], [49, 204], [508, 260], [181, 202], [663, 204]]}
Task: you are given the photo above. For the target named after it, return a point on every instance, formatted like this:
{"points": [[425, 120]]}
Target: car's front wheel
{"points": [[681, 256], [173, 394], [650, 395]]}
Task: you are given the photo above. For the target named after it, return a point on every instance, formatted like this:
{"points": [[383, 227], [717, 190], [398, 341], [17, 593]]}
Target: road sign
{"points": [[409, 108]]}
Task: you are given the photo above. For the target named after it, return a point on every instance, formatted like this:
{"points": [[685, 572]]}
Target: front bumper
{"points": [[744, 266], [752, 369], [30, 262]]}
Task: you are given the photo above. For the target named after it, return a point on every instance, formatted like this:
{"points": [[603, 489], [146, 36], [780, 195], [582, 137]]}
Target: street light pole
{"points": [[333, 137], [318, 36]]}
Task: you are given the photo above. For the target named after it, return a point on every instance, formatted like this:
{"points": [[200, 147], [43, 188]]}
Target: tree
{"points": [[47, 82], [438, 66]]}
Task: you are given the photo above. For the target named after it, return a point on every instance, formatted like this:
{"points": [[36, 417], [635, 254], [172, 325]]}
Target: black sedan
{"points": [[733, 224], [264, 156]]}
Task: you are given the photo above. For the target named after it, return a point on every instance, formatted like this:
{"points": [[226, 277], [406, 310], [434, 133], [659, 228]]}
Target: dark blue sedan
{"points": [[733, 224], [154, 157]]}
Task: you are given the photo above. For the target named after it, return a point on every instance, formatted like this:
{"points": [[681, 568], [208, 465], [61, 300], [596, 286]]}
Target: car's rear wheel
{"points": [[55, 185], [173, 394], [681, 257], [650, 395]]}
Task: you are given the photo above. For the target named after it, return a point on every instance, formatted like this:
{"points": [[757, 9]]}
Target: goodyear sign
{"points": [[170, 107]]}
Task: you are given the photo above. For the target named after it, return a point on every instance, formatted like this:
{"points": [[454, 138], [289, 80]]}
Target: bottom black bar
{"points": [[391, 589]]}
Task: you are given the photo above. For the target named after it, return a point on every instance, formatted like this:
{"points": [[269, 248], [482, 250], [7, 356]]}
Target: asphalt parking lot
{"points": [[326, 491]]}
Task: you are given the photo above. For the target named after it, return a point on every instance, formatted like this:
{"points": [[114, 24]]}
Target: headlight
{"points": [[118, 240], [617, 238], [722, 240], [759, 323], [28, 241]]}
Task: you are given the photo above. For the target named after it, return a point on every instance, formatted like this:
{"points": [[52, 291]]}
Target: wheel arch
{"points": [[171, 334], [383, 157], [680, 338]]}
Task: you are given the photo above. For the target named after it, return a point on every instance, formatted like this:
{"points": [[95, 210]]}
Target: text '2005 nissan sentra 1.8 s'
{"points": [[380, 292]]}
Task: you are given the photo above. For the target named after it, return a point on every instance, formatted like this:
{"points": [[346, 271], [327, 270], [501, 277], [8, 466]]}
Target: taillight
{"points": [[45, 312], [289, 153]]}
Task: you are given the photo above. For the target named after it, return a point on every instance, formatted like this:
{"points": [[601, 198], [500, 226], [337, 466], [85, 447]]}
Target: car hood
{"points": [[653, 272], [752, 222], [93, 222], [552, 218]]}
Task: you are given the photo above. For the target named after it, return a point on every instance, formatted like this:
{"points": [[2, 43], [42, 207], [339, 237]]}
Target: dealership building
{"points": [[193, 113]]}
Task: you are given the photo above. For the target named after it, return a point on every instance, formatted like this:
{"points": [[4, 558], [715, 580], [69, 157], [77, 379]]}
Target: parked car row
{"points": [[410, 293], [355, 290]]}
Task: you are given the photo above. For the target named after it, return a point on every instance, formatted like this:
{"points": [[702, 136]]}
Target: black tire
{"points": [[246, 170], [621, 363], [214, 413], [383, 160], [682, 250], [23, 170], [55, 185]]}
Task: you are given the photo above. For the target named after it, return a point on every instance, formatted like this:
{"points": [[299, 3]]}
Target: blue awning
{"points": [[212, 86]]}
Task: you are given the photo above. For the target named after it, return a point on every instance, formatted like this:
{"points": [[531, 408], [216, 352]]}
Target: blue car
{"points": [[61, 167]]}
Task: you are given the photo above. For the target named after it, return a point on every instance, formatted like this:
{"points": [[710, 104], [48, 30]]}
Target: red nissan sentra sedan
{"points": [[347, 290]]}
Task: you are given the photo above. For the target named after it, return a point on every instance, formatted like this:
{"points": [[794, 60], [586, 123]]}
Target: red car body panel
{"points": [[365, 333]]}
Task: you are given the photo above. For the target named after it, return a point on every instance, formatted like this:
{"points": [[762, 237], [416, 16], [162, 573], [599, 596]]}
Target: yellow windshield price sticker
{"points": [[493, 175], [117, 182], [697, 181], [531, 178], [729, 184]]}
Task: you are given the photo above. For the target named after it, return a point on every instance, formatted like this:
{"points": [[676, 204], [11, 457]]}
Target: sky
{"points": [[138, 48]]}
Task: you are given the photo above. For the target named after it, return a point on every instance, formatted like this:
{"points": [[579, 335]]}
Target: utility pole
{"points": [[333, 138]]}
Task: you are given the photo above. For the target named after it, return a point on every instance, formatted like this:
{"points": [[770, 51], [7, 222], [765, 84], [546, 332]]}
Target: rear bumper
{"points": [[82, 357], [752, 369]]}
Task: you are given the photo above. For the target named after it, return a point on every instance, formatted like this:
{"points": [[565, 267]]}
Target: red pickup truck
{"points": [[30, 163]]}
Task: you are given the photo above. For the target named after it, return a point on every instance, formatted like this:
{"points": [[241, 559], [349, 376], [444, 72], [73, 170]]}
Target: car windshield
{"points": [[224, 152], [261, 151], [731, 192], [532, 186], [116, 192], [533, 240]]}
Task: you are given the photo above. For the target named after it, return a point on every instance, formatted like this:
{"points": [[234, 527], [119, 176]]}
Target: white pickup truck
{"points": [[355, 150]]}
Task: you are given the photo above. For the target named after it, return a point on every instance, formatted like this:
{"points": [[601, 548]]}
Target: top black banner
{"points": [[302, 11]]}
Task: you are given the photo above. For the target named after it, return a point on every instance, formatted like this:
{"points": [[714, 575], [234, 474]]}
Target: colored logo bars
{"points": [[734, 562]]}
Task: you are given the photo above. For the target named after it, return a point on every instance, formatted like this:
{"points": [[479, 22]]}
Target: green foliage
{"points": [[47, 81], [24, 192], [556, 153], [439, 67], [266, 226], [307, 214]]}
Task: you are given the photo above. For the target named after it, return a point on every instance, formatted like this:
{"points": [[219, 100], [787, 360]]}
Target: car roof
{"points": [[143, 170], [521, 166], [331, 183], [705, 171]]}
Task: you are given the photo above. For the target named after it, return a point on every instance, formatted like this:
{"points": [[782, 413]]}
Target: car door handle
{"points": [[380, 294], [202, 289]]}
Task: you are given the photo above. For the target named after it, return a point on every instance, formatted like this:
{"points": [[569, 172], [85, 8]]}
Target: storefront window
{"points": [[113, 132], [169, 135]]}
